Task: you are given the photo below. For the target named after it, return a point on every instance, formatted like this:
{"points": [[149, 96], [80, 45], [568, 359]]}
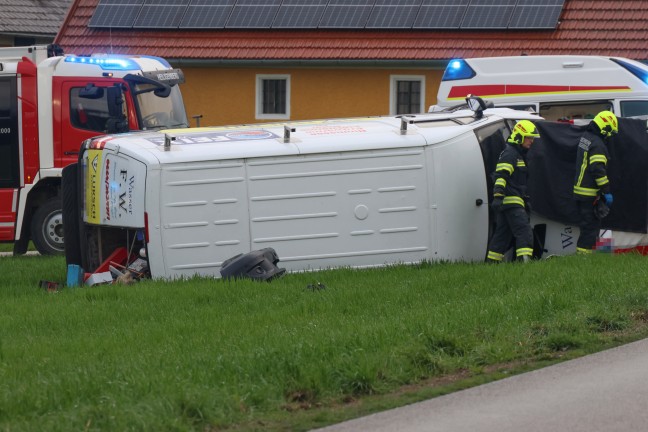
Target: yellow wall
{"points": [[227, 95]]}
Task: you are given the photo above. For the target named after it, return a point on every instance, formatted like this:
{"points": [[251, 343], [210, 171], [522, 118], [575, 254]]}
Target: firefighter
{"points": [[591, 182], [510, 202]]}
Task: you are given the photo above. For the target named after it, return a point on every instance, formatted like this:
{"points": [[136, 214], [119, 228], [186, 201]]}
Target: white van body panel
{"points": [[351, 192]]}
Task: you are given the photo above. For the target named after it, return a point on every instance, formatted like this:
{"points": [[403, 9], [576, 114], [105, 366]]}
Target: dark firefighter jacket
{"points": [[591, 166], [510, 176]]}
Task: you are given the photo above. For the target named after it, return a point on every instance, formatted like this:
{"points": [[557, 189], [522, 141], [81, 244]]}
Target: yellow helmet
{"points": [[607, 123], [523, 129]]}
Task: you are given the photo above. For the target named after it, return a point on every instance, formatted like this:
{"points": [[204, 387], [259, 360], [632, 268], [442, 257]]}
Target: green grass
{"points": [[8, 247], [205, 354]]}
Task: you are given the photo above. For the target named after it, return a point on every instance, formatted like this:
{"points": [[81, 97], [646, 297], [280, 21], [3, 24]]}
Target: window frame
{"points": [[259, 114], [393, 91]]}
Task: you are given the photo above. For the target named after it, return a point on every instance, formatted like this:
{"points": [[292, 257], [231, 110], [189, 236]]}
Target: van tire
{"points": [[47, 228], [71, 215]]}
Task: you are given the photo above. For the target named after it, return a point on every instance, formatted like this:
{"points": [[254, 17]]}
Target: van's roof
{"points": [[306, 137]]}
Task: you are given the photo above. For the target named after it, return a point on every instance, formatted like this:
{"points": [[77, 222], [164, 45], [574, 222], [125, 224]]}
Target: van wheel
{"points": [[71, 222], [47, 228]]}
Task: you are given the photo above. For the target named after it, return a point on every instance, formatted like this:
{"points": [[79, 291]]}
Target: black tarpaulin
{"points": [[552, 169]]}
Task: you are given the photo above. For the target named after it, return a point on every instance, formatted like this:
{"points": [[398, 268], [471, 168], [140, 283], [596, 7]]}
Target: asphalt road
{"points": [[607, 391]]}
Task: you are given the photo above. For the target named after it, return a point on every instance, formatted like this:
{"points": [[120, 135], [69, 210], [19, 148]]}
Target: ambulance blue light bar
{"points": [[457, 69], [105, 63]]}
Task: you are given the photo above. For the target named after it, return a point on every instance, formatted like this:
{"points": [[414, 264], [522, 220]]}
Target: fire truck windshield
{"points": [[157, 112]]}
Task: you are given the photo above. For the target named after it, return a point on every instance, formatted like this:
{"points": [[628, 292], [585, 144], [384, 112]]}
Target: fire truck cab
{"points": [[49, 104], [557, 87]]}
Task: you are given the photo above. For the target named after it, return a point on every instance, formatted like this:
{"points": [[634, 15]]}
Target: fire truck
{"points": [[50, 103]]}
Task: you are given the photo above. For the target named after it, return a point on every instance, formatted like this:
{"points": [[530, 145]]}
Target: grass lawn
{"points": [[206, 355]]}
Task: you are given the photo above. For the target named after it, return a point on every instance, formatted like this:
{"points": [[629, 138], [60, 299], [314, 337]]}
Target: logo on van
{"points": [[249, 135]]}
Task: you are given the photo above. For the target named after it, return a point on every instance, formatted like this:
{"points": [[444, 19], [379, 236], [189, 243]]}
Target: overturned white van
{"points": [[347, 192]]}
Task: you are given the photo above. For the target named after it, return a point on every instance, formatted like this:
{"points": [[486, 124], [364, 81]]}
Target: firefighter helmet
{"points": [[607, 123], [523, 129]]}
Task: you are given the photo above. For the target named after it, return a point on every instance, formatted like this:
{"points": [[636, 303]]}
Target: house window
{"points": [[273, 97], [407, 94]]}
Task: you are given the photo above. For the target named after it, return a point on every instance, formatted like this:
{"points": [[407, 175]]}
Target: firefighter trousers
{"points": [[589, 226], [511, 223]]}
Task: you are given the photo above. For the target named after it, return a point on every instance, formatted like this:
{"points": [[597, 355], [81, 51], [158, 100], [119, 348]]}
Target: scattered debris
{"points": [[75, 275], [121, 267], [259, 265], [316, 286], [99, 279], [50, 286]]}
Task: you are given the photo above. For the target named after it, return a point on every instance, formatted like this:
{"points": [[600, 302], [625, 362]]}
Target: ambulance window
{"points": [[634, 108], [572, 111]]}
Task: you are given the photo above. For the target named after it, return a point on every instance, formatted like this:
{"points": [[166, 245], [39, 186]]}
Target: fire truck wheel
{"points": [[47, 228]]}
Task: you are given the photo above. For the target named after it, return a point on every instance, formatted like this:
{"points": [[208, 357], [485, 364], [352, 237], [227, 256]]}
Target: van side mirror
{"points": [[476, 104]]}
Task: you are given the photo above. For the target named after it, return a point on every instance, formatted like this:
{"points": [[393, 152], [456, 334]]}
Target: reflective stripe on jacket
{"points": [[510, 176], [591, 167]]}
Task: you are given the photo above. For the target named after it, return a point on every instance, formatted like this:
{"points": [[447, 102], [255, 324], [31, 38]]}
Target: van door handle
{"points": [[479, 202]]}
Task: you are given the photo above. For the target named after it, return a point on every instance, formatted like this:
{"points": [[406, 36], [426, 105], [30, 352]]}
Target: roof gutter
{"points": [[423, 64]]}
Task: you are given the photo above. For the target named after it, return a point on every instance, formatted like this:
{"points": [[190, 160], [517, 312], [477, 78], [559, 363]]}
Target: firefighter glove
{"points": [[497, 203], [608, 199]]}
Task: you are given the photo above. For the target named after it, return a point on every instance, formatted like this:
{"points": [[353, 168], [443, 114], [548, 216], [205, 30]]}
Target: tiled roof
{"points": [[32, 17], [596, 27]]}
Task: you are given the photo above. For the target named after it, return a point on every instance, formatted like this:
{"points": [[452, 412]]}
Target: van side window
{"points": [[634, 108], [89, 113]]}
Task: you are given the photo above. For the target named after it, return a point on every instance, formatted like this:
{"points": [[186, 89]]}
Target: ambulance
{"points": [[359, 192], [557, 87]]}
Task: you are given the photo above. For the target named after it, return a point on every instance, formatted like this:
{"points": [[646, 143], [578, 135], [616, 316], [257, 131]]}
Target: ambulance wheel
{"points": [[47, 228]]}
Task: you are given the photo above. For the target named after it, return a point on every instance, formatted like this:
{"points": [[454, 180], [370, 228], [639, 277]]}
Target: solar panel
{"points": [[116, 13], [488, 14], [540, 17], [440, 14], [346, 14], [299, 14], [393, 14], [540, 14], [305, 14], [207, 14], [161, 14], [253, 14]]}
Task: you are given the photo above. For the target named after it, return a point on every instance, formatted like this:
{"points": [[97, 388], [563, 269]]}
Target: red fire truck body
{"points": [[49, 104]]}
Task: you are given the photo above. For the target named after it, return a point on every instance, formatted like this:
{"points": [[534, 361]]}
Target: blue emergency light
{"points": [[640, 73], [457, 69], [105, 63]]}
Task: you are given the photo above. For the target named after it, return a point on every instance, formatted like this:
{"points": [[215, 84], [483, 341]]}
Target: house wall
{"points": [[227, 95]]}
